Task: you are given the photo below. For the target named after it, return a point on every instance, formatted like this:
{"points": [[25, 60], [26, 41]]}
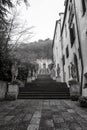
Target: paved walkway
{"points": [[42, 115]]}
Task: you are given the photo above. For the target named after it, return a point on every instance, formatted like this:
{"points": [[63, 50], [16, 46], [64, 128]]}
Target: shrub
{"points": [[5, 70], [74, 97], [22, 74], [18, 82], [83, 101]]}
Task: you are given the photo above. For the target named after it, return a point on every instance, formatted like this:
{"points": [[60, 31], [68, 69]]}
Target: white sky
{"points": [[42, 14]]}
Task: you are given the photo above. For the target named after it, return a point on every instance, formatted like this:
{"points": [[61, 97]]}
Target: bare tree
{"points": [[18, 32]]}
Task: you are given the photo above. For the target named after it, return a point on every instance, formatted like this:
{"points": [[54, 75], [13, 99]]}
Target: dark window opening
{"points": [[63, 60], [76, 65], [65, 30], [72, 34], [69, 7], [71, 14], [83, 6], [79, 51], [69, 71], [67, 52]]}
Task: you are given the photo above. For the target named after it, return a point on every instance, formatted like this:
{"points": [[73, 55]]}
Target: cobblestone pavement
{"points": [[42, 115]]}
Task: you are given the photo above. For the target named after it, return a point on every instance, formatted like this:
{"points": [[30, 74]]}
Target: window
{"points": [[83, 6], [79, 51], [65, 30], [63, 60], [67, 52], [69, 7], [71, 14], [72, 34], [69, 71]]}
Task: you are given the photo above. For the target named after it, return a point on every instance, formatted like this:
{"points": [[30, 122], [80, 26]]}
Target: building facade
{"points": [[81, 14], [73, 42], [57, 48]]}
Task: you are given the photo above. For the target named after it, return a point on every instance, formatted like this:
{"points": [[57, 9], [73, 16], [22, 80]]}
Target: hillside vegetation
{"points": [[35, 50]]}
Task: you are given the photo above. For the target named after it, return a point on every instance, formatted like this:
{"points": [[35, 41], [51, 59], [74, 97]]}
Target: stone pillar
{"points": [[14, 71], [29, 78], [58, 78], [12, 93], [53, 75], [33, 76], [36, 74]]}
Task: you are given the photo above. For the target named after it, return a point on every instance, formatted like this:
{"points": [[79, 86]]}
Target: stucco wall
{"points": [[72, 49], [66, 42], [82, 25]]}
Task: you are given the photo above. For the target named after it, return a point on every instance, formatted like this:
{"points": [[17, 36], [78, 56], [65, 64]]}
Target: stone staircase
{"points": [[44, 88]]}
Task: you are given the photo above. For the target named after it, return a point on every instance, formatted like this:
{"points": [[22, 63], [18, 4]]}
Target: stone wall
{"points": [[3, 89]]}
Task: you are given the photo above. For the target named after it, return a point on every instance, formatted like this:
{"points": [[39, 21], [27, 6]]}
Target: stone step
{"points": [[44, 87], [46, 83], [45, 92], [43, 96]]}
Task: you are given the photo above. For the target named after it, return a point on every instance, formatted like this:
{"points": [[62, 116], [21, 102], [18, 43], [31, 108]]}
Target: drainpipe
{"points": [[79, 47]]}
